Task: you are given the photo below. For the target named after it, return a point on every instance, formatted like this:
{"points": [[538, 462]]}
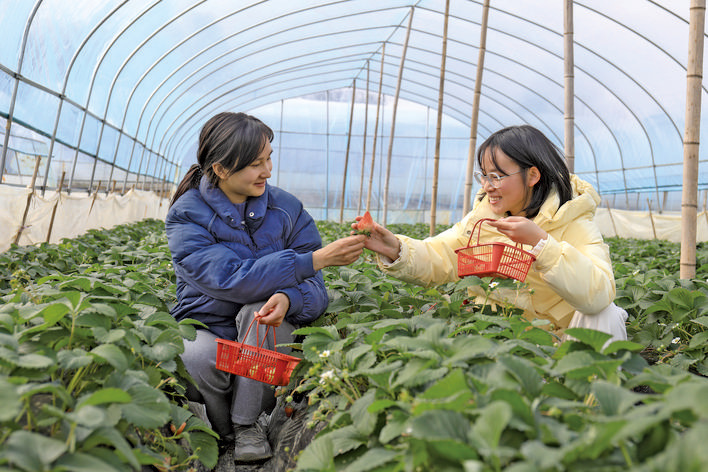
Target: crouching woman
{"points": [[242, 248]]}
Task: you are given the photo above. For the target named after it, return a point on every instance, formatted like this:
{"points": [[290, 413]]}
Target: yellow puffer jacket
{"points": [[572, 272]]}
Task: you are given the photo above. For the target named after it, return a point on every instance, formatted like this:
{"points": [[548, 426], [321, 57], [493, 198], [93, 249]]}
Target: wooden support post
{"points": [[29, 200], [569, 86], [363, 150], [93, 197], [438, 127], [393, 118], [376, 130], [56, 204], [651, 218], [469, 177], [691, 141], [609, 211], [346, 155]]}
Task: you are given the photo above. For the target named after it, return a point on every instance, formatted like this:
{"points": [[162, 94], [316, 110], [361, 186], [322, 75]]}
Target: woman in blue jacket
{"points": [[242, 248]]}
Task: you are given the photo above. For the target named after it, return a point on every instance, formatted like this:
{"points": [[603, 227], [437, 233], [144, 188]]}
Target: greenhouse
{"points": [[377, 108]]}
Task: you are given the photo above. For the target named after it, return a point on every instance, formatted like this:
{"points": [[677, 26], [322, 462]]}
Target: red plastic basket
{"points": [[255, 362], [493, 259]]}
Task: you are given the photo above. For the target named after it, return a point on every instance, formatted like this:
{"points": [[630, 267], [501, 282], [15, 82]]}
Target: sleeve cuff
{"points": [[386, 263], [296, 301], [303, 267]]}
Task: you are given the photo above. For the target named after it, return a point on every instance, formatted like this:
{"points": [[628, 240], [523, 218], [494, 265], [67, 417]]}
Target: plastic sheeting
{"points": [[127, 84], [74, 215], [70, 215]]}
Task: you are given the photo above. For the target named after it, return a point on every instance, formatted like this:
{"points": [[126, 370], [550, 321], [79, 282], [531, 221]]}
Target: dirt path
{"points": [[288, 436]]}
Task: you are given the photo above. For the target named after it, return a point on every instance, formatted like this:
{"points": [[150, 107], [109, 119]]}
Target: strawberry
{"points": [[365, 224]]}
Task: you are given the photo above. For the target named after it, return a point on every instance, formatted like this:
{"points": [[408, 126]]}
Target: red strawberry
{"points": [[365, 224]]}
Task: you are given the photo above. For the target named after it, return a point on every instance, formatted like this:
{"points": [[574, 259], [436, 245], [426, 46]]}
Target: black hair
{"points": [[233, 140], [529, 147]]}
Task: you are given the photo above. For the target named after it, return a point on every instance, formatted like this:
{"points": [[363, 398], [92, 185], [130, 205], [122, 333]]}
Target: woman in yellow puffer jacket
{"points": [[527, 189]]}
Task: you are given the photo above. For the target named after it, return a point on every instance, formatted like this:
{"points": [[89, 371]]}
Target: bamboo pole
{"points": [[438, 125], [651, 218], [609, 212], [29, 199], [93, 197], [694, 79], [469, 180], [346, 155], [569, 86], [376, 131], [663, 203], [56, 204], [363, 150], [393, 118]]}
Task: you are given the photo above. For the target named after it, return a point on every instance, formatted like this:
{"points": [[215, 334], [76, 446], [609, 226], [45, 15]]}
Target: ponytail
{"points": [[191, 180]]}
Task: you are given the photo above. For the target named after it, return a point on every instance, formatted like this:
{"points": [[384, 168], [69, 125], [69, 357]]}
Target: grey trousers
{"points": [[229, 398]]}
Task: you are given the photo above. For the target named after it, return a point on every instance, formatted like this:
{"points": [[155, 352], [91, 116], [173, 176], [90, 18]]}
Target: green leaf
{"points": [[105, 395], [318, 456], [492, 422], [111, 354], [372, 459], [591, 337], [149, 407], [113, 438], [80, 462], [34, 361], [613, 399], [362, 419], [525, 373], [11, 403], [33, 451], [698, 340], [439, 425]]}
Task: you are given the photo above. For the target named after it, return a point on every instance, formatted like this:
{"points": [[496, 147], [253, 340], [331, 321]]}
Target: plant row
{"points": [[90, 374], [400, 377]]}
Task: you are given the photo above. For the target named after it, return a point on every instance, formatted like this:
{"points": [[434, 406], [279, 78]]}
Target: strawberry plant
{"points": [[89, 357], [406, 378]]}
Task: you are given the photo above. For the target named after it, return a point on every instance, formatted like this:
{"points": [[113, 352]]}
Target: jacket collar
{"points": [[254, 209]]}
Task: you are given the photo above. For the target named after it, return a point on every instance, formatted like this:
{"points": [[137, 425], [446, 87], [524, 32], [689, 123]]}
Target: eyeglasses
{"points": [[494, 179]]}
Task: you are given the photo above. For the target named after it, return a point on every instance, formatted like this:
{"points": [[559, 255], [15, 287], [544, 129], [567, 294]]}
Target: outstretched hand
{"points": [[519, 229], [379, 240], [341, 252]]}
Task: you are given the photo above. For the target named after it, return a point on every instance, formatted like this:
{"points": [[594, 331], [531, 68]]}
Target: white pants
{"points": [[610, 320]]}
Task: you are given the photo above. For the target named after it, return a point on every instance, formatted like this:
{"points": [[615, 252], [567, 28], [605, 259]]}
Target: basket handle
{"points": [[479, 222], [260, 343]]}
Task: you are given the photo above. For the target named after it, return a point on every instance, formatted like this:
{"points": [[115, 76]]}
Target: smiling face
{"points": [[249, 181], [515, 187]]}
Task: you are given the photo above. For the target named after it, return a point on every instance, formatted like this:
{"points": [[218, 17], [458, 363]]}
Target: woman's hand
{"points": [[519, 229], [381, 240], [341, 252], [274, 310]]}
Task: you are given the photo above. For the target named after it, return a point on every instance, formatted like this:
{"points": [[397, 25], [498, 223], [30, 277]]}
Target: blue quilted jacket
{"points": [[226, 255]]}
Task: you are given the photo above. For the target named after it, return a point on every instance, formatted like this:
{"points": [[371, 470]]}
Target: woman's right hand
{"points": [[341, 252], [380, 240]]}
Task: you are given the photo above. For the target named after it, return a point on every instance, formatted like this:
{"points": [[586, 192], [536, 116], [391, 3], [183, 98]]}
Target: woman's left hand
{"points": [[274, 310], [519, 229]]}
